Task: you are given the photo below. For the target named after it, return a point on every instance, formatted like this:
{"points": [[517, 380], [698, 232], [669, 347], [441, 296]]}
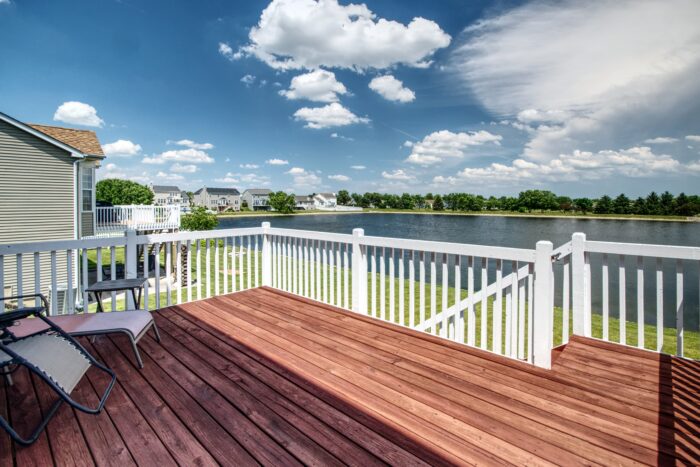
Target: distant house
{"points": [[47, 186], [166, 195], [218, 199], [325, 200], [258, 199], [186, 201], [304, 202]]}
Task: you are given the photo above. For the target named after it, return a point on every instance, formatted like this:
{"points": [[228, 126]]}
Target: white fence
{"points": [[495, 298], [117, 219]]}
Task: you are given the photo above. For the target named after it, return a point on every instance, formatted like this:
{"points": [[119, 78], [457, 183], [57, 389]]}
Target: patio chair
{"points": [[52, 355], [134, 324]]}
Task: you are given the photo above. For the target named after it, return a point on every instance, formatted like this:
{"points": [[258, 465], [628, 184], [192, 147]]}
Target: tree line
{"points": [[665, 204]]}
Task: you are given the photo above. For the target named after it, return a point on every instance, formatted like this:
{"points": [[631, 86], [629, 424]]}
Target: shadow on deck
{"points": [[264, 377]]}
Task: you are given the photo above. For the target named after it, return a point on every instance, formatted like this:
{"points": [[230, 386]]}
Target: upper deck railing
{"points": [[118, 219], [511, 301]]}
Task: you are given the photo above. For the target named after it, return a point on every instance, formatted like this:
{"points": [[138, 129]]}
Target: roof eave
{"points": [[43, 136]]}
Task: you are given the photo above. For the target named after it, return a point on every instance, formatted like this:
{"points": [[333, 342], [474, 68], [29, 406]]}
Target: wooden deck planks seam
{"points": [[486, 415]]}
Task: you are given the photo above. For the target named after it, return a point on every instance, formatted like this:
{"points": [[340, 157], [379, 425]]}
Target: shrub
{"points": [[199, 219]]}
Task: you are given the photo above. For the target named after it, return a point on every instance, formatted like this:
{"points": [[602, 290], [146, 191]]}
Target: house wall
{"points": [[37, 200]]}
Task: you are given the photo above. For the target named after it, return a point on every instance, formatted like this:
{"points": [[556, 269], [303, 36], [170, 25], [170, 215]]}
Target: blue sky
{"points": [[484, 97]]}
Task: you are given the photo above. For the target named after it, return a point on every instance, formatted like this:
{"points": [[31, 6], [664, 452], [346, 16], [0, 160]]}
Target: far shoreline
{"points": [[472, 214]]}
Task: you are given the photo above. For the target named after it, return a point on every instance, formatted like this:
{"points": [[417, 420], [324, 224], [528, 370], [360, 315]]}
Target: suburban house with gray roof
{"points": [[303, 203], [218, 199], [258, 199], [47, 186], [166, 195]]}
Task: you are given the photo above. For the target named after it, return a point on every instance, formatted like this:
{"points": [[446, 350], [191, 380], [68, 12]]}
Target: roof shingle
{"points": [[84, 141]]}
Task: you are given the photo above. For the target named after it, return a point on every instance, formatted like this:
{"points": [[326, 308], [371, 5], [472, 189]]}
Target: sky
{"points": [[582, 98]]}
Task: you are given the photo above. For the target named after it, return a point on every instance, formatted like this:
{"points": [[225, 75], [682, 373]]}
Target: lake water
{"points": [[524, 232]]}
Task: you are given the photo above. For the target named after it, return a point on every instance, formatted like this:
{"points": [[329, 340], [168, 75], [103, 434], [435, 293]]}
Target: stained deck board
{"points": [[313, 384]]}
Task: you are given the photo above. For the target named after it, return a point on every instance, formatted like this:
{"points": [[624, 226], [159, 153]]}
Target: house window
{"points": [[87, 187]]}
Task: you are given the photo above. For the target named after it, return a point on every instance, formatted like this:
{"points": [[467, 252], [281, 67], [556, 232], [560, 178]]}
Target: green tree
{"points": [[199, 219], [584, 205], [282, 202], [538, 199], [653, 204], [604, 205], [438, 204], [621, 205], [190, 197], [639, 206], [565, 203], [668, 204], [118, 191], [344, 198]]}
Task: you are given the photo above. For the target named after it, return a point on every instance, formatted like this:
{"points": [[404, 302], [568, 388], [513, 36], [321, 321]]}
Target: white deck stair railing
{"points": [[494, 298], [119, 219]]}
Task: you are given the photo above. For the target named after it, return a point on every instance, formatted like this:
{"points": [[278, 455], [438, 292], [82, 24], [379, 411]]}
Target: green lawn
{"points": [[692, 338]]}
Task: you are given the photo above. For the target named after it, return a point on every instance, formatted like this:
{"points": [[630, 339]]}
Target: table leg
{"points": [[133, 297], [98, 297]]}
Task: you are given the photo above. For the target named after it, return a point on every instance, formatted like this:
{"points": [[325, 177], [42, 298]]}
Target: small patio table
{"points": [[116, 285]]}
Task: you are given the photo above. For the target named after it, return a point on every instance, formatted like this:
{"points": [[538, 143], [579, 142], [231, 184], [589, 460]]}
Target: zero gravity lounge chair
{"points": [[52, 355]]}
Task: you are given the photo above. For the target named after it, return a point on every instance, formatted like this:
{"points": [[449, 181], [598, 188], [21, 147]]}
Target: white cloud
{"points": [[391, 89], [617, 71], [192, 156], [227, 51], [358, 167], [660, 140], [328, 116], [444, 144], [183, 168], [695, 138], [248, 80], [188, 143], [580, 165], [295, 34], [5, 2], [339, 136], [169, 177], [277, 162], [303, 178], [317, 86], [249, 166], [339, 178], [78, 113], [397, 174], [537, 116], [249, 179], [111, 170], [121, 147]]}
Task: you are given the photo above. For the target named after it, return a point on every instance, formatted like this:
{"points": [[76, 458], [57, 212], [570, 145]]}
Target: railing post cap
{"points": [[265, 225], [544, 245], [358, 232], [579, 235]]}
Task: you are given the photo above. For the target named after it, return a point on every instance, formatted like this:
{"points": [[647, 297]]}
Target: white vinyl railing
{"points": [[495, 298], [116, 219]]}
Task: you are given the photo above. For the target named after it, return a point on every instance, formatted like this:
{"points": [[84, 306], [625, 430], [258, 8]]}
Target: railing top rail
{"points": [[641, 249], [465, 249], [33, 247], [562, 252], [197, 235], [312, 235]]}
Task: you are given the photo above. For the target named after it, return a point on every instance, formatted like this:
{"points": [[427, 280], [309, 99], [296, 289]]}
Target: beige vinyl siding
{"points": [[36, 200]]}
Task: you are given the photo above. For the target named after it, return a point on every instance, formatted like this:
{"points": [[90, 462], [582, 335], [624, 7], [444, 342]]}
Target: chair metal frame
{"points": [[8, 319]]}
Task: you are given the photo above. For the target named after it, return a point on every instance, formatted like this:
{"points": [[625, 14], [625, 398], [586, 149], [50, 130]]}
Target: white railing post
{"points": [[542, 316], [359, 272], [130, 266], [580, 286], [266, 256]]}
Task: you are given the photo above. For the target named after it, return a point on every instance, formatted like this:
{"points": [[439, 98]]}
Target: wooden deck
{"points": [[262, 377]]}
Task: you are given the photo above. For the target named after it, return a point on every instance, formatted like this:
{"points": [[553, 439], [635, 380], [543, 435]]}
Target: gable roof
{"points": [[164, 188], [84, 141], [258, 191], [326, 195], [219, 191], [75, 152], [302, 199]]}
